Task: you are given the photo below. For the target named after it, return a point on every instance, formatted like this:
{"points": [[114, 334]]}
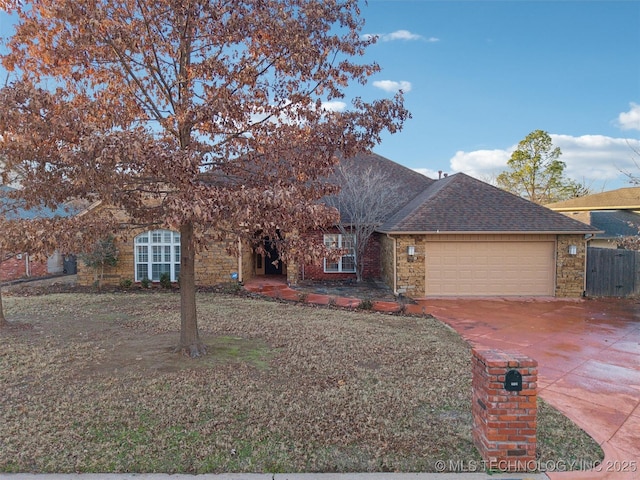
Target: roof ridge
{"points": [[461, 203], [422, 197], [614, 199]]}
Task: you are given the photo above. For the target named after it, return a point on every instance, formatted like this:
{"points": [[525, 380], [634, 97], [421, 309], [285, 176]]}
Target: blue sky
{"points": [[479, 75]]}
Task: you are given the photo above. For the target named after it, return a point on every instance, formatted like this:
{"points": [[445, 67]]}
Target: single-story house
{"points": [[455, 236], [615, 213], [19, 265]]}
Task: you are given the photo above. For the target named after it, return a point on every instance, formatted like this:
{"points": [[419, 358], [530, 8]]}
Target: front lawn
{"points": [[90, 384]]}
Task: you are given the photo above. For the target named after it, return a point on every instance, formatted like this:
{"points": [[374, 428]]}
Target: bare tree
{"points": [[363, 203], [575, 189], [633, 176]]}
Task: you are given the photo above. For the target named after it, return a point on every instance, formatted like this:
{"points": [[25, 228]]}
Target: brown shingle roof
{"points": [[460, 203], [620, 199]]}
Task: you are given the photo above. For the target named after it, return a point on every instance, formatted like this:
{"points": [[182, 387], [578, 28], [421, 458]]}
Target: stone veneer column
{"points": [[293, 273], [504, 422]]}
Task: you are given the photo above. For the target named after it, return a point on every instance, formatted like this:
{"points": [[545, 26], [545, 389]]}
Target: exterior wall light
{"points": [[411, 250], [573, 250]]}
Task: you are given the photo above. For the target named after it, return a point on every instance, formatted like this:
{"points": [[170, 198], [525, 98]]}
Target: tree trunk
{"points": [[3, 321], [360, 249], [190, 344]]}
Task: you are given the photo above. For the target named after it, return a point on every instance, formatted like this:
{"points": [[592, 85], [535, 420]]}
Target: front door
{"points": [[269, 263], [272, 262]]}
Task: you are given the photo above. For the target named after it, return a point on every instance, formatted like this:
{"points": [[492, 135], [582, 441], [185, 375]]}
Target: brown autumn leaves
{"points": [[190, 115]]}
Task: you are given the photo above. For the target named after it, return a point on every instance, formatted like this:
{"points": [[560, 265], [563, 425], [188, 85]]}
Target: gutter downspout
{"points": [[587, 237]]}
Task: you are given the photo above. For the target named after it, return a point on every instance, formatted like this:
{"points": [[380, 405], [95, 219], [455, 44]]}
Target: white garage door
{"points": [[490, 268]]}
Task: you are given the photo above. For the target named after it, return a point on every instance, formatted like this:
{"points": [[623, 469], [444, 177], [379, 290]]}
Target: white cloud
{"points": [[481, 164], [630, 120], [401, 35], [595, 160], [404, 35], [334, 106], [289, 114], [393, 86]]}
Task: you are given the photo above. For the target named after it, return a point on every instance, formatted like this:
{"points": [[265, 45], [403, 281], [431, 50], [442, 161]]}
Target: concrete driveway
{"points": [[588, 354]]}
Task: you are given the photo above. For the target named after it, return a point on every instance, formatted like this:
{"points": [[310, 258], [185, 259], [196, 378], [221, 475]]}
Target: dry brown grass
{"points": [[89, 384]]}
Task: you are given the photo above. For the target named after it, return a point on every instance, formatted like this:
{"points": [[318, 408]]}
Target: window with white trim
{"points": [[157, 252], [346, 263]]}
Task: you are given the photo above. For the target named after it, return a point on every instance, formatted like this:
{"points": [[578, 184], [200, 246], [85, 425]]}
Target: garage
{"points": [[463, 237], [490, 268]]}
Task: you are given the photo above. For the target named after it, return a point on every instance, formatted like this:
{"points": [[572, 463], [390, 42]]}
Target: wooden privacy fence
{"points": [[612, 272]]}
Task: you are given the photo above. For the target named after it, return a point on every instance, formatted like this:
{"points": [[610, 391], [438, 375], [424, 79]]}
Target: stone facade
{"points": [[387, 256], [411, 269], [213, 265], [124, 270], [571, 269], [410, 276], [247, 263]]}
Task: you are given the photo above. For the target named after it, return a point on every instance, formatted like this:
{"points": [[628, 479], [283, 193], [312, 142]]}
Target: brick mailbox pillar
{"points": [[504, 416]]}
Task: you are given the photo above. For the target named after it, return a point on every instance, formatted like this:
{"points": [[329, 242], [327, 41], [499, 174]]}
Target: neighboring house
{"points": [[614, 213], [456, 236], [19, 265]]}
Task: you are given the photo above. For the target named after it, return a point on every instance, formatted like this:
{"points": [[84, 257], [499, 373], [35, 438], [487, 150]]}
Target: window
{"points": [[156, 253], [346, 263]]}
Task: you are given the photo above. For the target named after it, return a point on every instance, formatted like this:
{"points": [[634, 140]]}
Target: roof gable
{"points": [[460, 203]]}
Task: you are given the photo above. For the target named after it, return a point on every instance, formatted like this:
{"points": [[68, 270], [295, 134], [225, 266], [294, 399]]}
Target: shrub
{"points": [[366, 304], [126, 283], [145, 282], [231, 287], [103, 254], [165, 280]]}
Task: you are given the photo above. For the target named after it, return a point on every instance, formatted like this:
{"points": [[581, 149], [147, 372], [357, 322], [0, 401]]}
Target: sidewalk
{"points": [[276, 287]]}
